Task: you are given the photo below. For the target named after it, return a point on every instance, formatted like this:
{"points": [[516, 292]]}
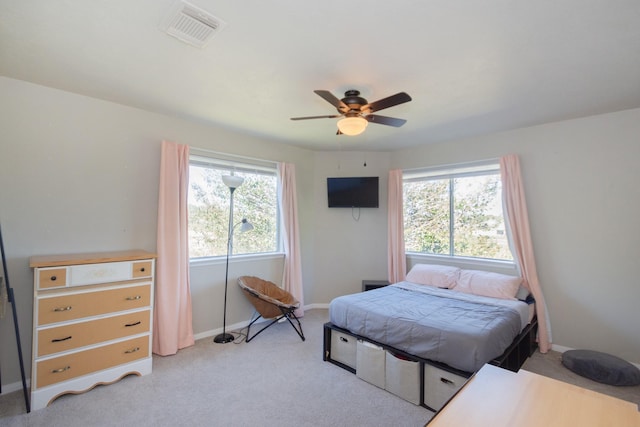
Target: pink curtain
{"points": [[172, 325], [521, 244], [292, 275], [397, 263]]}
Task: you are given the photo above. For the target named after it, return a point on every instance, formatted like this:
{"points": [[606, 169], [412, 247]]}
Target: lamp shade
{"points": [[245, 226], [232, 181], [352, 125]]}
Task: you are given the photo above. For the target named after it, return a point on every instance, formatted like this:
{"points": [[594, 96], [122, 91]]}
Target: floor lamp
{"points": [[232, 182]]}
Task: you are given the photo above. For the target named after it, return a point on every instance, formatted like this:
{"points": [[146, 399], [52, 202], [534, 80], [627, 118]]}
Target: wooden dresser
{"points": [[92, 317]]}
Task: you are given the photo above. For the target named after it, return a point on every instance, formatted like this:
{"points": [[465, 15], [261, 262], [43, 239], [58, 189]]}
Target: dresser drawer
{"points": [[92, 274], [76, 335], [52, 278], [79, 305], [105, 272], [142, 269], [73, 365]]}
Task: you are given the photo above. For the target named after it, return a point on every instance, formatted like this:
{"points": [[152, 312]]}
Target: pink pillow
{"points": [[442, 276], [488, 284]]}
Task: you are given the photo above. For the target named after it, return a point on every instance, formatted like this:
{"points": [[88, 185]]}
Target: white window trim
{"points": [[451, 171], [478, 168], [249, 164], [207, 158], [221, 260]]}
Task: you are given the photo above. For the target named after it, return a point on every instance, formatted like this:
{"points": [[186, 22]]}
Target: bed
{"points": [[458, 318]]}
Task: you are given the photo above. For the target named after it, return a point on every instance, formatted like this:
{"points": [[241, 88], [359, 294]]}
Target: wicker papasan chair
{"points": [[270, 302]]}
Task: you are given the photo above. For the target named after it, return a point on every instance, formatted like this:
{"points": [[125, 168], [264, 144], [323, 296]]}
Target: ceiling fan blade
{"points": [[331, 99], [316, 117], [390, 101], [384, 120]]}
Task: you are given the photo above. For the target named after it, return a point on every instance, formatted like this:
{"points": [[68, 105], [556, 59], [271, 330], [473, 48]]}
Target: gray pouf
{"points": [[602, 367]]}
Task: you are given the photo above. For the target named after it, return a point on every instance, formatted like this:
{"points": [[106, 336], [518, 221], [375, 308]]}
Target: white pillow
{"points": [[522, 293], [442, 276], [488, 284]]}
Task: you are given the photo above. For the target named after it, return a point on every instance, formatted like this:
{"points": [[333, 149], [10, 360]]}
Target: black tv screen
{"points": [[353, 192]]}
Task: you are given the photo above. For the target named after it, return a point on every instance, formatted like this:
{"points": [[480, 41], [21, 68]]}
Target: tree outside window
{"points": [[255, 200], [456, 216]]}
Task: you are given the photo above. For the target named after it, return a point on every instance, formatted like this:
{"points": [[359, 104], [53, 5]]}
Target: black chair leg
{"points": [[251, 322], [286, 315], [299, 328], [258, 333]]}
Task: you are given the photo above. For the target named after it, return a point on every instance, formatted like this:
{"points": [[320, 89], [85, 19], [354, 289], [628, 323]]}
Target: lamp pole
{"points": [[224, 337], [232, 182]]}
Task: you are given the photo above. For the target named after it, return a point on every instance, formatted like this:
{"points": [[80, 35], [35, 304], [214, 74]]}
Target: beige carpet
{"points": [[274, 380]]}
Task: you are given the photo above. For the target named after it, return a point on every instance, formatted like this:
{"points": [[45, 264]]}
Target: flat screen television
{"points": [[353, 192]]}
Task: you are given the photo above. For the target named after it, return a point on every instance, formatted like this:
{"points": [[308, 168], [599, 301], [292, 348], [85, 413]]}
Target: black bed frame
{"points": [[522, 347]]}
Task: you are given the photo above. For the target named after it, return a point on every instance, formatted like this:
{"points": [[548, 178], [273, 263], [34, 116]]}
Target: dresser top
{"points": [[89, 258]]}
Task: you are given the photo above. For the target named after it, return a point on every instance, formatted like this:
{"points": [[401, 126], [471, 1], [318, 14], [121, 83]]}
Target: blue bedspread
{"points": [[461, 330]]}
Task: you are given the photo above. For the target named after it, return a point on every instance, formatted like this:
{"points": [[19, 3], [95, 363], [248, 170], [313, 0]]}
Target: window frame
{"points": [[232, 163], [450, 172]]}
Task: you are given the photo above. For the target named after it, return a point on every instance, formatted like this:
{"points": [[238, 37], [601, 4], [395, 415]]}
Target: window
{"points": [[209, 199], [455, 212]]}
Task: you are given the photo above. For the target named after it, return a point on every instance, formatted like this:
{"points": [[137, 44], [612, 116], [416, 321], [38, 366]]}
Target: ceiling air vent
{"points": [[191, 24]]}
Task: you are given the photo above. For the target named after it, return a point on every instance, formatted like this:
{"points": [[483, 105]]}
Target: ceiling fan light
{"points": [[352, 125]]}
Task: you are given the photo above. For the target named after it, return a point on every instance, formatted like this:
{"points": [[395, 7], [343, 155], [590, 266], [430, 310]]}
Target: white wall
{"points": [[348, 250], [81, 175], [581, 180]]}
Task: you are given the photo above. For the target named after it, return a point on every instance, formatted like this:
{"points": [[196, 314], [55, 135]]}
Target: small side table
{"points": [[368, 285]]}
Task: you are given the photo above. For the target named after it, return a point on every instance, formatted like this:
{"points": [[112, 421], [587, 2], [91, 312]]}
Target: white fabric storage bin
{"points": [[440, 386], [402, 378], [370, 363], [343, 348]]}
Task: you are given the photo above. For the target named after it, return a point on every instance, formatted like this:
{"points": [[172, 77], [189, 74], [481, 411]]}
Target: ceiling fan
{"points": [[356, 111]]}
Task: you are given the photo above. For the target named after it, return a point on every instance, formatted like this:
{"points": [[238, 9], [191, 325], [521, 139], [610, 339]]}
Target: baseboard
{"points": [[312, 306], [241, 325], [10, 388], [560, 348], [229, 328]]}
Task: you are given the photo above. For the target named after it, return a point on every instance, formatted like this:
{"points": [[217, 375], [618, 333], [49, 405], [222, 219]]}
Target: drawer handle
{"points": [[54, 278], [133, 298], [142, 270], [343, 339], [61, 339], [57, 371], [132, 324], [133, 350], [446, 381], [67, 308]]}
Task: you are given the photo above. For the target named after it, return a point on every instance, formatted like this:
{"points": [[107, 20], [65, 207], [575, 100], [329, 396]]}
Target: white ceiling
{"points": [[472, 67]]}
